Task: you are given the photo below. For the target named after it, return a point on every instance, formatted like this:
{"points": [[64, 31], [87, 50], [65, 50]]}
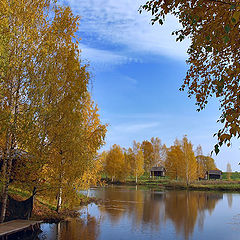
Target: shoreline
{"points": [[45, 211], [206, 185], [48, 215]]}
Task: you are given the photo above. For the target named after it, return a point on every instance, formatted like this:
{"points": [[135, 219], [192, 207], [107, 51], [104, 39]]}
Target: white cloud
{"points": [[135, 127], [119, 22], [102, 56], [131, 80], [104, 59]]}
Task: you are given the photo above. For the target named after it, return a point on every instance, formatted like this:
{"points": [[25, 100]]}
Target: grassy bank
{"points": [[232, 185], [45, 209]]}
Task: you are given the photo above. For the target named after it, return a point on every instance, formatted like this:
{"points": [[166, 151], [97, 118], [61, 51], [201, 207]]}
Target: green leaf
{"points": [[226, 39], [227, 28], [233, 7]]}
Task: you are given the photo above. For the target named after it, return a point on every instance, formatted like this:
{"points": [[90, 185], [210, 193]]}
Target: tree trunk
{"points": [[7, 164], [5, 189], [136, 178], [11, 144], [4, 203], [59, 200]]}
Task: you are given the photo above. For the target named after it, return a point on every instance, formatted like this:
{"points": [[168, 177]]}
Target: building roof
{"points": [[215, 172], [156, 169]]}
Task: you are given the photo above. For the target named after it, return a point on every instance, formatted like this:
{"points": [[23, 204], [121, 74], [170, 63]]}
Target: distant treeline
{"points": [[180, 161]]}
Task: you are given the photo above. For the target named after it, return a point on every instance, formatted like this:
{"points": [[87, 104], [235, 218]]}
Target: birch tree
{"points": [[147, 150], [21, 24], [174, 162], [46, 108], [115, 163], [181, 162], [229, 171], [190, 163], [137, 161]]}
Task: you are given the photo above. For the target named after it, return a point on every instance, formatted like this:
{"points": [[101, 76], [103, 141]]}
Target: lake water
{"points": [[146, 214]]}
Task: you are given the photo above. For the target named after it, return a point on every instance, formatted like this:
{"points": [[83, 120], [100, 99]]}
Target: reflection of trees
{"points": [[153, 207], [118, 201], [183, 208], [138, 205], [229, 198], [78, 229], [150, 208]]}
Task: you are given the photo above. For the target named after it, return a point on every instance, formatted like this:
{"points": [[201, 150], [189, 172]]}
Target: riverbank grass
{"points": [[225, 184], [44, 209]]}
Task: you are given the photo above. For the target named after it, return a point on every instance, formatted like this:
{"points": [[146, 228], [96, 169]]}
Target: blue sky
{"points": [[137, 70]]}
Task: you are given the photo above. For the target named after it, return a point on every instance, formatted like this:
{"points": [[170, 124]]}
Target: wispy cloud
{"points": [[135, 127], [131, 80], [104, 59], [120, 24]]}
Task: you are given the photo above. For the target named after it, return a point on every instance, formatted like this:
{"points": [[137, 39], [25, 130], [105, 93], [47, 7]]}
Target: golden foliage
{"points": [[147, 149], [181, 162], [136, 160], [174, 162], [115, 163], [46, 109], [205, 163]]}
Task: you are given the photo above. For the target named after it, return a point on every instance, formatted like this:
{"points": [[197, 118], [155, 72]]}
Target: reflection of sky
{"points": [[143, 214], [49, 232], [223, 222]]}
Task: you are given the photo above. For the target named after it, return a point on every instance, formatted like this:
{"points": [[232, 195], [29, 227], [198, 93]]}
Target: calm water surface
{"points": [[138, 213]]}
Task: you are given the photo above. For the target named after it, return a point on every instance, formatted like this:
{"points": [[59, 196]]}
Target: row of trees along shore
{"points": [[181, 161], [50, 128]]}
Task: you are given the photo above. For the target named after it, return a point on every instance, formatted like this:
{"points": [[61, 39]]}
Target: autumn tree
{"points": [[154, 153], [213, 28], [115, 163], [69, 118], [181, 162], [229, 171], [102, 159], [205, 163], [147, 150], [46, 108], [201, 171], [174, 162], [190, 163], [137, 161], [22, 27], [129, 156], [157, 147], [72, 160]]}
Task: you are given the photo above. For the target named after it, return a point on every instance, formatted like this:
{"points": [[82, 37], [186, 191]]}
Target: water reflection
{"points": [[127, 213], [74, 229], [184, 208], [153, 208], [230, 199]]}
